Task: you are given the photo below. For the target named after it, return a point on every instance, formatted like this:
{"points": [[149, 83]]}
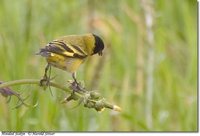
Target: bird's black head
{"points": [[99, 46]]}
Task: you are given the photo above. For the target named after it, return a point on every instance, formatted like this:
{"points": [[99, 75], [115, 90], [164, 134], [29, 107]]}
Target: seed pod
{"points": [[99, 106], [95, 95]]}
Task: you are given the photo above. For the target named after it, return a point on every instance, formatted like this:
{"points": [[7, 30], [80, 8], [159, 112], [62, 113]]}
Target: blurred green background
{"points": [[149, 71]]}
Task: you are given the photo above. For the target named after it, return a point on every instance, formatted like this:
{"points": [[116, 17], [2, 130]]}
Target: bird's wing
{"points": [[63, 49]]}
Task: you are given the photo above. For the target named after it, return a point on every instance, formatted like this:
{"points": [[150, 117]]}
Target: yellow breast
{"points": [[67, 64]]}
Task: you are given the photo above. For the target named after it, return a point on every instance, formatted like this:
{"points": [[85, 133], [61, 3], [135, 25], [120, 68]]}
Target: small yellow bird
{"points": [[68, 52]]}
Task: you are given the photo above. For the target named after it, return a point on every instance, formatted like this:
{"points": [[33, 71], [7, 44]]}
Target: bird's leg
{"points": [[45, 80], [49, 78], [49, 67], [74, 77], [75, 85]]}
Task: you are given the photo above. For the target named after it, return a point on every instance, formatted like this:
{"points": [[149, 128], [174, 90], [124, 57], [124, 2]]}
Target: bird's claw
{"points": [[76, 86], [44, 82]]}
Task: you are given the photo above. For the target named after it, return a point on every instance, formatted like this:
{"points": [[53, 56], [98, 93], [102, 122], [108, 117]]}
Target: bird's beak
{"points": [[100, 53]]}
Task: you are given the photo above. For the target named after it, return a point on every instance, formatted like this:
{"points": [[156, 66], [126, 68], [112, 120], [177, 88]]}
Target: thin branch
{"points": [[90, 99]]}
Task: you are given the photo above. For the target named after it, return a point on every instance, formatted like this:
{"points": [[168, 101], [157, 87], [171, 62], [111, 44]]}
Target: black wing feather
{"points": [[54, 47]]}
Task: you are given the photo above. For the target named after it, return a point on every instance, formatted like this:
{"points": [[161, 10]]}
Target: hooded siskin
{"points": [[68, 52]]}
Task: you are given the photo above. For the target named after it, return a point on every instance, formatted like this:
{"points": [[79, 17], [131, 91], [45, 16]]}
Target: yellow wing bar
{"points": [[60, 48]]}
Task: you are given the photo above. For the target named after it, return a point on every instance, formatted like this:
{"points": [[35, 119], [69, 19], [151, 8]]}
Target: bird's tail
{"points": [[43, 52]]}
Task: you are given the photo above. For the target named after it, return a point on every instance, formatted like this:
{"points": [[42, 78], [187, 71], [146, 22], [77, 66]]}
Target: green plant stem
{"points": [[34, 81], [19, 82], [37, 82]]}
